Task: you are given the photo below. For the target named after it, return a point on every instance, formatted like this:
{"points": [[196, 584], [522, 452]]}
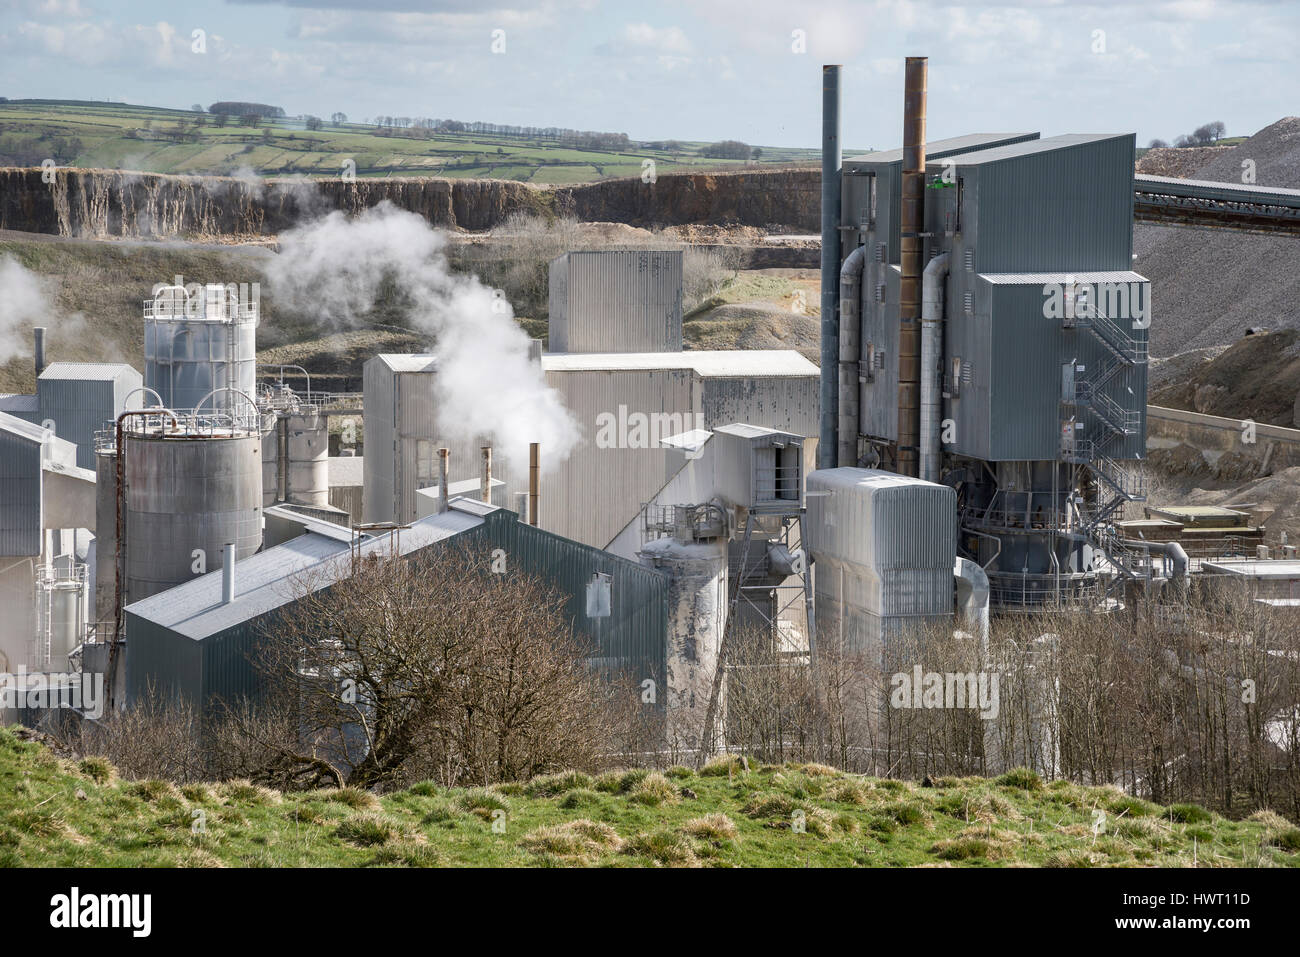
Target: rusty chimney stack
{"points": [[444, 488], [485, 491], [911, 249]]}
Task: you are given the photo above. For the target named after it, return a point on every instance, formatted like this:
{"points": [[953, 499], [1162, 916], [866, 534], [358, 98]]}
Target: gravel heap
{"points": [[1209, 285], [1181, 162]]}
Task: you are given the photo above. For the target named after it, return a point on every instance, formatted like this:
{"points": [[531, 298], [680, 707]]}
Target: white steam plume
{"points": [[337, 267], [23, 299]]}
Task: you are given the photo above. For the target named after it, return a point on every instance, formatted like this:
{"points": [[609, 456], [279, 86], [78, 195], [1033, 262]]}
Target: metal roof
{"points": [[1040, 278], [1209, 189], [1254, 568], [746, 431], [87, 371], [738, 363], [18, 403], [1026, 148], [938, 149], [403, 362], [22, 428], [267, 580]]}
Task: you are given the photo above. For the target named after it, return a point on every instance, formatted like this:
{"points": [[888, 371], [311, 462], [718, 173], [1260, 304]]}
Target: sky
{"points": [[679, 69]]}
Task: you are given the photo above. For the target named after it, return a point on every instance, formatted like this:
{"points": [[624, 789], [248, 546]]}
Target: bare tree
{"points": [[434, 666]]}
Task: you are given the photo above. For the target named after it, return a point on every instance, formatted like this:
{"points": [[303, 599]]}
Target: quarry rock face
{"points": [[96, 204]]}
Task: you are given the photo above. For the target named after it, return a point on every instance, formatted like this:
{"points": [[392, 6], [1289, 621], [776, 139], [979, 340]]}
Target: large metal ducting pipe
{"points": [[850, 354], [832, 161], [38, 334], [911, 223], [1181, 571], [973, 600], [931, 364]]}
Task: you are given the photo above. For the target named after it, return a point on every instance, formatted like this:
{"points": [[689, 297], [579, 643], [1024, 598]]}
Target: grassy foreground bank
{"points": [[61, 812]]}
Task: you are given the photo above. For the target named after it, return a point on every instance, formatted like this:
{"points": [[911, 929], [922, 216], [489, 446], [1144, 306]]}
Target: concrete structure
{"points": [[618, 300], [47, 504]]}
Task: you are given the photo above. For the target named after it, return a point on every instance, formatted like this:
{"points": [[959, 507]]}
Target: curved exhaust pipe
{"points": [[932, 291], [851, 274]]}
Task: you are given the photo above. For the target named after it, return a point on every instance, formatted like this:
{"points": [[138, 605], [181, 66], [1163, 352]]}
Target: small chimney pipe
{"points": [[444, 490], [485, 491], [534, 481], [39, 334], [521, 505], [227, 573]]}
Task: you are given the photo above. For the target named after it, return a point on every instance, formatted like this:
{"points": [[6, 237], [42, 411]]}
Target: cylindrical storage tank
{"points": [[295, 460], [65, 621], [105, 534], [187, 495], [308, 443], [195, 344]]}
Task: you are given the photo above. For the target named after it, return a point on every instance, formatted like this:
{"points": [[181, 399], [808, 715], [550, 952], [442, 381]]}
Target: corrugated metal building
{"points": [[44, 499], [626, 403], [185, 641], [616, 301], [883, 548], [76, 399], [403, 438]]}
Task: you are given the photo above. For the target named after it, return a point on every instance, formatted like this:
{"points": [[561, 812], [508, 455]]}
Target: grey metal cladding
{"points": [[879, 358], [78, 399], [20, 493], [1011, 350], [621, 300], [1062, 202]]}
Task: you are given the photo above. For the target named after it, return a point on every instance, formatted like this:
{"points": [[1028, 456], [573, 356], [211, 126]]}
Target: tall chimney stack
{"points": [[485, 490], [832, 163], [39, 334], [911, 250]]}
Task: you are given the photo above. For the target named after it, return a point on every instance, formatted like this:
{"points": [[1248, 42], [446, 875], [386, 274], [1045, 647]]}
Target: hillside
{"points": [[1210, 285], [58, 812], [124, 136]]}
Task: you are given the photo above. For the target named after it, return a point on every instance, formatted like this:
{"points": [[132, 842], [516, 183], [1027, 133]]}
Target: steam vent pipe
{"points": [[910, 252], [38, 333], [827, 441], [444, 488], [850, 354], [931, 360]]}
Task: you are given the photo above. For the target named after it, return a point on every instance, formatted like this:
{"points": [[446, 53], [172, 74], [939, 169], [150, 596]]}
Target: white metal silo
{"points": [[200, 341], [190, 490]]}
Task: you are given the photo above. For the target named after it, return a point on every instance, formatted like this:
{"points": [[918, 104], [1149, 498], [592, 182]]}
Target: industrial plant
{"points": [[969, 452]]}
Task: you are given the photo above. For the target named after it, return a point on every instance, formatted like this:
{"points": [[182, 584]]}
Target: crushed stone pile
{"points": [[1210, 286]]}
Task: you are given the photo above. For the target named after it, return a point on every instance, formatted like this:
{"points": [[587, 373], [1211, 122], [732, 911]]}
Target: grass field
{"points": [[120, 136], [62, 812]]}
